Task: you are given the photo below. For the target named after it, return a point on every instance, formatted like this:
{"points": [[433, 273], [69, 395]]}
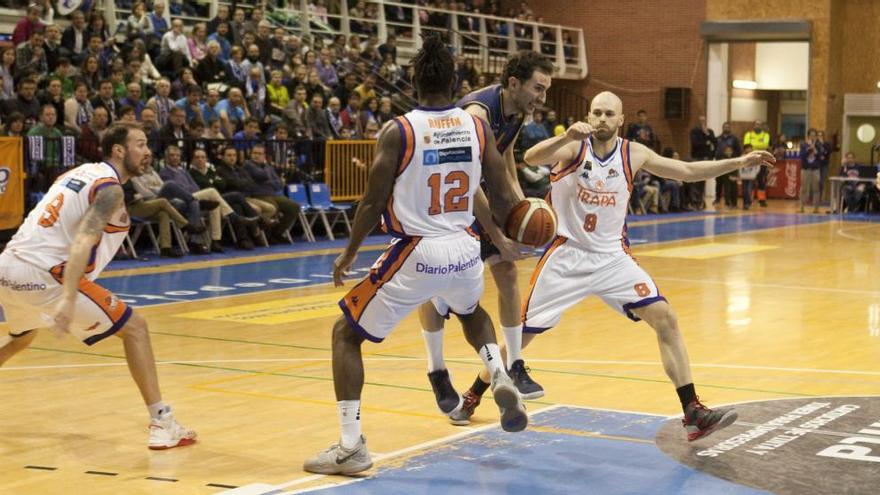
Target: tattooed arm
{"points": [[91, 228]]}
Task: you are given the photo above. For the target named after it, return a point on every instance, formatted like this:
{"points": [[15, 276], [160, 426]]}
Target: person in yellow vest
{"points": [[759, 139]]}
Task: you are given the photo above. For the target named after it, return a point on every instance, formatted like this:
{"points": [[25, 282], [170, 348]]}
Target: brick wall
{"points": [[637, 48]]}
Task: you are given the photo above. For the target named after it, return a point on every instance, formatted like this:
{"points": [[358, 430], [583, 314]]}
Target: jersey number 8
{"points": [[53, 210]]}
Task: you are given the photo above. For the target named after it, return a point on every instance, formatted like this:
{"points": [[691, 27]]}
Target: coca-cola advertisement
{"points": [[784, 180]]}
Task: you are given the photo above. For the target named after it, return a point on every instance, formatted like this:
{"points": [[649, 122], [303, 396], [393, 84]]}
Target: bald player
{"points": [[505, 106], [590, 189]]}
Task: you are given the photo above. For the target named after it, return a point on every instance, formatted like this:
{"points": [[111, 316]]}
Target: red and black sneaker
{"points": [[699, 421], [462, 415]]}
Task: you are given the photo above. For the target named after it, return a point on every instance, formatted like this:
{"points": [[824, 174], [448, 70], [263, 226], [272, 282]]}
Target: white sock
{"points": [[158, 409], [513, 338], [349, 421], [491, 356], [434, 345]]}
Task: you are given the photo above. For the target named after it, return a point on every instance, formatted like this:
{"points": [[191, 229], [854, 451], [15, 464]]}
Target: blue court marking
{"points": [[541, 460], [259, 276]]}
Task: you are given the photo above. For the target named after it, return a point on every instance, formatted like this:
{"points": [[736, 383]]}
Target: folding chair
{"points": [[299, 194], [138, 225], [319, 193]]}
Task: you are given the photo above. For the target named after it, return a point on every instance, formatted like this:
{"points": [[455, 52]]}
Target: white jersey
{"points": [[45, 238], [590, 195], [439, 170]]}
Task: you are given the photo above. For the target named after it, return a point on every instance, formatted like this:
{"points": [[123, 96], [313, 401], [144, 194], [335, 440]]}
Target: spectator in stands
{"points": [[64, 73], [198, 42], [760, 141], [263, 40], [247, 138], [404, 100], [533, 179], [534, 132], [551, 123], [277, 93], [105, 98], [334, 117], [326, 69], [209, 198], [209, 109], [75, 38], [161, 103], [148, 72], [316, 117], [315, 87], [24, 102], [252, 24], [351, 117], [138, 26], [646, 195], [703, 141], [27, 25], [344, 91], [389, 48], [672, 188], [725, 139], [150, 123], [133, 98], [150, 186], [7, 73], [853, 192], [253, 59], [221, 17], [97, 27], [255, 95], [174, 131], [89, 143], [174, 52], [269, 188], [728, 182], [385, 112], [159, 210], [192, 104], [237, 67], [295, 114], [747, 176], [211, 71], [632, 132], [52, 46], [237, 26], [389, 72], [13, 125], [78, 109], [232, 111], [810, 154], [126, 114], [53, 95], [367, 89], [243, 217], [824, 160], [221, 38], [45, 128], [236, 179], [282, 154], [30, 56], [91, 74], [160, 27]]}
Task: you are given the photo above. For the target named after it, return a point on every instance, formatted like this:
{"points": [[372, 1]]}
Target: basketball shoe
{"points": [[699, 421], [448, 399], [339, 460], [166, 433], [462, 415], [513, 413], [527, 387]]}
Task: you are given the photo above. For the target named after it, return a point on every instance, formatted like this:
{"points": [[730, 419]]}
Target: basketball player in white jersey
{"points": [[422, 184], [591, 186], [506, 106], [48, 271]]}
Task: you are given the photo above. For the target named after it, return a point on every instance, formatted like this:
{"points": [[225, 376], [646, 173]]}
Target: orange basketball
{"points": [[532, 222]]}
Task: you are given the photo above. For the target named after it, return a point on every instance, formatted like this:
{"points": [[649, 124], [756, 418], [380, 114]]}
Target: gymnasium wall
{"points": [[636, 48], [635, 51]]}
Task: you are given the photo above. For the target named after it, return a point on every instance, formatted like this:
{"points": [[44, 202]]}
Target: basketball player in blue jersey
{"points": [[590, 190], [423, 182], [506, 106]]}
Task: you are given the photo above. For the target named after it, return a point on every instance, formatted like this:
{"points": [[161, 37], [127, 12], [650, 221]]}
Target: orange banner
{"points": [[11, 182]]}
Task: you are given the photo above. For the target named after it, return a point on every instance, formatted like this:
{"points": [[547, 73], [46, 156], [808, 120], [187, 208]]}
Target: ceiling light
{"points": [[741, 84]]}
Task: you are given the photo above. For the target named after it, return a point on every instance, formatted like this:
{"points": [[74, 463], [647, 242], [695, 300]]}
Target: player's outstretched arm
{"points": [[107, 201], [562, 148], [502, 195], [375, 199], [642, 156]]}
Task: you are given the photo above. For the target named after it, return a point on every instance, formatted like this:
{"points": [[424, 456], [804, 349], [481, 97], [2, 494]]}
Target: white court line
{"points": [[768, 286], [396, 453], [844, 232], [454, 359]]}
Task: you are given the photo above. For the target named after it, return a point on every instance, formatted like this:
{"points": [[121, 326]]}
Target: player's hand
{"points": [[341, 265], [578, 131], [761, 158], [508, 249], [62, 317]]}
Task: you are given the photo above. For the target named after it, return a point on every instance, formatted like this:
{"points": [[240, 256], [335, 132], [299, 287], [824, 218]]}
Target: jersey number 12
{"points": [[455, 198]]}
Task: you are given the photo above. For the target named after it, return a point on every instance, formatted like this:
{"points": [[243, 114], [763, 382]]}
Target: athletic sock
{"points": [[158, 409], [491, 356], [513, 338], [479, 387], [686, 394], [434, 345], [349, 422]]}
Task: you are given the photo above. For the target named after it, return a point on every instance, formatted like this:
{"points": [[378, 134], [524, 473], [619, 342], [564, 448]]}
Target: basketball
{"points": [[532, 222]]}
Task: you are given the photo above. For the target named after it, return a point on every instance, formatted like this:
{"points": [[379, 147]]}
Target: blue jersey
{"points": [[490, 98]]}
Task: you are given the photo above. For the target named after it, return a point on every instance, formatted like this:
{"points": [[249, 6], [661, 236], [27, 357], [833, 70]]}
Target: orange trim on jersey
{"points": [[98, 184], [111, 305], [481, 136], [472, 233], [392, 223], [559, 172], [409, 144], [624, 244], [358, 298], [627, 169], [558, 241], [115, 229]]}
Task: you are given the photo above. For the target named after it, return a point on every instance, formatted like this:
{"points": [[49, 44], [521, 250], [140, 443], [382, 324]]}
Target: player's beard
{"points": [[132, 168], [604, 134]]}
